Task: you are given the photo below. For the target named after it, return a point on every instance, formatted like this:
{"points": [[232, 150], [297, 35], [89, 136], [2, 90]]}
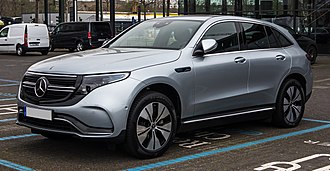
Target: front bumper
{"points": [[100, 114]]}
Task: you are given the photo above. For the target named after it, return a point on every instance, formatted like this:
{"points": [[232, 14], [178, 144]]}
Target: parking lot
{"points": [[246, 146]]}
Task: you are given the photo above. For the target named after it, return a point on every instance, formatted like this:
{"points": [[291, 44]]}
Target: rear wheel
{"points": [[290, 104], [79, 46], [312, 51], [20, 50], [151, 125]]}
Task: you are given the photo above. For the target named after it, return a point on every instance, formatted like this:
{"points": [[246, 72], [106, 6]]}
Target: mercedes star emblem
{"points": [[41, 87]]}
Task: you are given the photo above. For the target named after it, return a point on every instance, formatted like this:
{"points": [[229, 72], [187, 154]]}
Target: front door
{"points": [[221, 76], [4, 40]]}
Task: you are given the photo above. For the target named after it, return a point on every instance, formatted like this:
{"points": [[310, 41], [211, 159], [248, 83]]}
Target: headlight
{"points": [[91, 82]]}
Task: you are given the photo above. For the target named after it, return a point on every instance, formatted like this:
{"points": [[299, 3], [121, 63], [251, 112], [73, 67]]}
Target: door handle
{"points": [[280, 57], [183, 69], [240, 60]]}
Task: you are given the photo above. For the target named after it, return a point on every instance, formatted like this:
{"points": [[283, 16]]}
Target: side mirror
{"points": [[205, 46], [209, 45]]}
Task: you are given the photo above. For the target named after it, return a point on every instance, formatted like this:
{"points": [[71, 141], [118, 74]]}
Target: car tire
{"points": [[79, 47], [44, 52], [290, 104], [20, 50], [312, 51], [51, 48], [151, 125]]}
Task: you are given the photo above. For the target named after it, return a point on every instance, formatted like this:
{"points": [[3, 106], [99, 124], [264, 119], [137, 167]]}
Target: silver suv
{"points": [[168, 75]]}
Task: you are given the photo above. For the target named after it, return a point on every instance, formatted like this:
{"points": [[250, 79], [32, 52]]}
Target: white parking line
{"points": [[6, 105], [8, 113], [323, 80], [8, 109]]}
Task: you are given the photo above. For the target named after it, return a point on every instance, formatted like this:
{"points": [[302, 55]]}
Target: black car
{"points": [[306, 43], [80, 35]]}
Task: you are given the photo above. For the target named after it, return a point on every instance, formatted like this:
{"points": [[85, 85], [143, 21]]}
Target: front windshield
{"points": [[158, 34]]}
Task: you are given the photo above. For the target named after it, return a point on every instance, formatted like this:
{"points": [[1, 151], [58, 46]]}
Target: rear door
{"points": [[269, 63], [4, 39], [38, 36], [101, 31]]}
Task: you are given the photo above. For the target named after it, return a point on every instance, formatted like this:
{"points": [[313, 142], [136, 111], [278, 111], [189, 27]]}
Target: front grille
{"points": [[60, 88], [55, 124]]}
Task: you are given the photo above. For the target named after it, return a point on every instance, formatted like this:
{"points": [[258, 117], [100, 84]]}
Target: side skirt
{"points": [[225, 118]]}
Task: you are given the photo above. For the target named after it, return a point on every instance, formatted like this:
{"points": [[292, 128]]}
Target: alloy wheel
{"points": [[292, 104], [154, 126]]}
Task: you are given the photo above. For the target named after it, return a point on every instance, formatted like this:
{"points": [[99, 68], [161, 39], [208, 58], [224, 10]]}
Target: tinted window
{"points": [[101, 28], [226, 36], [282, 39], [255, 36], [273, 43], [73, 27]]}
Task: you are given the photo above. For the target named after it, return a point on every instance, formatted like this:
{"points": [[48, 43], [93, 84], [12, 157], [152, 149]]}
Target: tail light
{"points": [[25, 37], [89, 36]]}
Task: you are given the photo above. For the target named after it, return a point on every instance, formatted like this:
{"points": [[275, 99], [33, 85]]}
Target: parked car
{"points": [[321, 35], [168, 75], [306, 43], [80, 36], [22, 38]]}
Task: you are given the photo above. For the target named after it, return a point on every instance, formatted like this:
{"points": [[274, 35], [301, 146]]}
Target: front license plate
{"points": [[38, 113], [101, 40]]}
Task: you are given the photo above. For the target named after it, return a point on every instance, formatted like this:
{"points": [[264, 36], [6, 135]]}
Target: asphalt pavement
{"points": [[245, 146]]}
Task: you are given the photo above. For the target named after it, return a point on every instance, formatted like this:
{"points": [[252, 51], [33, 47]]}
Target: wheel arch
{"points": [[300, 78], [168, 91]]}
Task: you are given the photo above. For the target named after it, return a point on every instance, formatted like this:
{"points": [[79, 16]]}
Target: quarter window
{"points": [[282, 39], [255, 36], [226, 36], [273, 43]]}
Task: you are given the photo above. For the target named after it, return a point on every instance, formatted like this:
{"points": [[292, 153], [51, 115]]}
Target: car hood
{"points": [[105, 60]]}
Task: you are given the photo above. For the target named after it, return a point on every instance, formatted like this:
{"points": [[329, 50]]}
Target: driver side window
{"points": [[4, 33], [225, 35]]}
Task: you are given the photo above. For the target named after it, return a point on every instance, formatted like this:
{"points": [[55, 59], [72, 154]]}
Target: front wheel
{"points": [[290, 104], [151, 125]]}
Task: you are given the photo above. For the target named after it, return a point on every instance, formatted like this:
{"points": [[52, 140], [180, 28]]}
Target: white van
{"points": [[22, 38]]}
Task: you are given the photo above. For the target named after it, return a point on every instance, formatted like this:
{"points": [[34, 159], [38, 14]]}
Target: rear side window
{"points": [[282, 39], [76, 27], [226, 36], [273, 43], [101, 28], [255, 36]]}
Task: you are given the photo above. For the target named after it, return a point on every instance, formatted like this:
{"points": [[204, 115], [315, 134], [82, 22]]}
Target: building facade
{"points": [[309, 17]]}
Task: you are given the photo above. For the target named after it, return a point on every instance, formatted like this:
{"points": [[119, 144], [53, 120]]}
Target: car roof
{"points": [[208, 17]]}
